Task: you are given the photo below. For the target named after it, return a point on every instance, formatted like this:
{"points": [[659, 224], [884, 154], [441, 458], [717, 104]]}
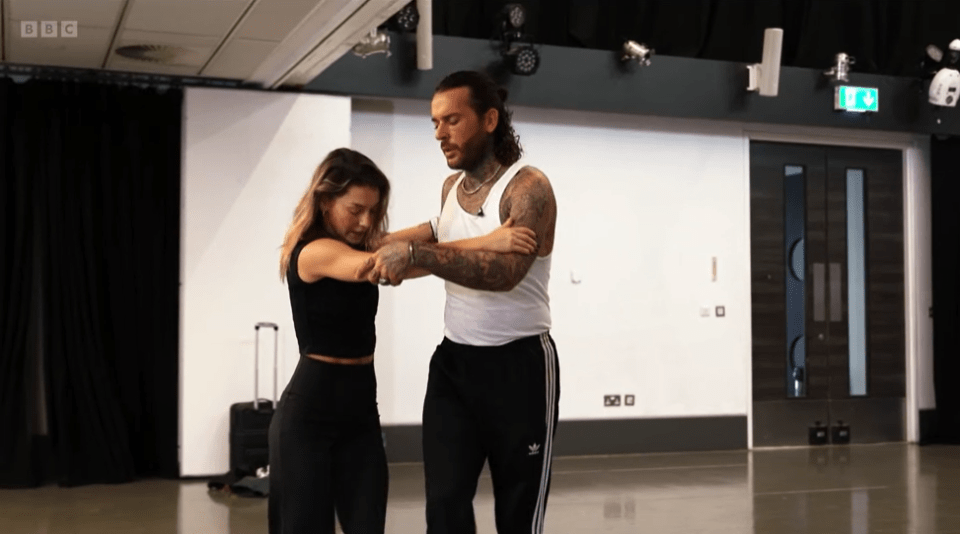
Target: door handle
{"points": [[819, 298], [836, 310]]}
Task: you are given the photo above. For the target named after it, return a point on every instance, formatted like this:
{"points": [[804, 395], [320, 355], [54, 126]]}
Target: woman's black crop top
{"points": [[332, 317]]}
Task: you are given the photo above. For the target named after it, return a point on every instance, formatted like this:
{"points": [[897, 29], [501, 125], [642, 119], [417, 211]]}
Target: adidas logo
{"points": [[534, 449]]}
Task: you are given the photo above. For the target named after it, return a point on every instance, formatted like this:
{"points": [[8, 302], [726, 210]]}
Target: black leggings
{"points": [[326, 452]]}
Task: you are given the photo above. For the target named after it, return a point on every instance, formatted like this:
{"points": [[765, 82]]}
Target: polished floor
{"points": [[858, 489]]}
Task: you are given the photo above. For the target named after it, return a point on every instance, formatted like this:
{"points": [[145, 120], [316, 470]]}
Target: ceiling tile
{"points": [[90, 13], [240, 59], [85, 51], [191, 17], [273, 20]]}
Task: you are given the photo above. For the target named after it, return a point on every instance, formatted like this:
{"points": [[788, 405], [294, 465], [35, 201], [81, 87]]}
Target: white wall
{"points": [[644, 205], [248, 157]]}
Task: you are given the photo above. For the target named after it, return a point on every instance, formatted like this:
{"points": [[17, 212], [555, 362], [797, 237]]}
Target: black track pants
{"points": [[497, 404]]}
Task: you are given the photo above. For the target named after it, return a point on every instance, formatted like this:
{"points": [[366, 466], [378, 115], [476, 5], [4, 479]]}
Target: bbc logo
{"points": [[48, 28]]}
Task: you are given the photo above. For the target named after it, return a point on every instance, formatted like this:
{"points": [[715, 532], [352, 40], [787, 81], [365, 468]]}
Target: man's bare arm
{"points": [[531, 204]]}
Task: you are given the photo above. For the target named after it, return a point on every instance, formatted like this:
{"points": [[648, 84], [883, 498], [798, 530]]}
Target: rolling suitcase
{"points": [[250, 421]]}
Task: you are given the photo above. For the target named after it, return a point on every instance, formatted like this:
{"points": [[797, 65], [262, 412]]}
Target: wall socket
{"points": [[611, 400]]}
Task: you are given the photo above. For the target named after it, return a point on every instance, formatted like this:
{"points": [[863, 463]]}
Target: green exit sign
{"points": [[859, 99]]}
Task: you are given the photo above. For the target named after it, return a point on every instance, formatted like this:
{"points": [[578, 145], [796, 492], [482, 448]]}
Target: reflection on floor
{"points": [[893, 488]]}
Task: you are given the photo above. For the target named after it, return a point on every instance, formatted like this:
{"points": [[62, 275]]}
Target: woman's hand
{"points": [[521, 240]]}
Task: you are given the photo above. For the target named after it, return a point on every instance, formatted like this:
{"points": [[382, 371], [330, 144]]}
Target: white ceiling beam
{"points": [[322, 38]]}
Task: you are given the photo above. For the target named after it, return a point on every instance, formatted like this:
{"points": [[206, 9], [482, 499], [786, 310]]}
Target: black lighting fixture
{"points": [[518, 53], [407, 19], [512, 18]]}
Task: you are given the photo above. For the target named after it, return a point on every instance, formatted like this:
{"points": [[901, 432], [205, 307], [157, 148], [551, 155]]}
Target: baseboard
{"points": [[608, 436]]}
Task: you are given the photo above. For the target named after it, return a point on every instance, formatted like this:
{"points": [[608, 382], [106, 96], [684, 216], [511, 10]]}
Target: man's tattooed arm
{"points": [[531, 203]]}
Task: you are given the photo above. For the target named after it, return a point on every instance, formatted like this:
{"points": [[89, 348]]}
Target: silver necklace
{"points": [[494, 175]]}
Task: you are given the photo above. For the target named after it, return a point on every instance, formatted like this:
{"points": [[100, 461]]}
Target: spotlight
{"points": [[407, 18], [634, 51], [840, 72], [516, 48], [945, 87], [376, 42], [524, 60], [514, 15]]}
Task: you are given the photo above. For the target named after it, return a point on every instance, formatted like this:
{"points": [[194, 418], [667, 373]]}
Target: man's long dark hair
{"points": [[485, 94]]}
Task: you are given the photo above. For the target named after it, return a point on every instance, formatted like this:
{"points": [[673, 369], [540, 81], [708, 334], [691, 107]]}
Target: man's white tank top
{"points": [[492, 318]]}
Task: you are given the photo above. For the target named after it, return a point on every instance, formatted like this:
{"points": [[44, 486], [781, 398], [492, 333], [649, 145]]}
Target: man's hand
{"points": [[390, 262]]}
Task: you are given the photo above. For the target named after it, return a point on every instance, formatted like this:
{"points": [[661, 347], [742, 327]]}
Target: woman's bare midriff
{"points": [[341, 361]]}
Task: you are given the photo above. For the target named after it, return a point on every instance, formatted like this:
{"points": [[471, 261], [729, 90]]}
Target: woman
{"points": [[326, 450]]}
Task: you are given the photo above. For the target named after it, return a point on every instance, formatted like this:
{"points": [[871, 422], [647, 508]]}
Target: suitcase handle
{"points": [[256, 362]]}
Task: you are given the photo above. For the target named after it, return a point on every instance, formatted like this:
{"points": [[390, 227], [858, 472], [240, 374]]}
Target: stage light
{"points": [[514, 15], [840, 72], [524, 60], [516, 48], [407, 18], [945, 86], [634, 51], [376, 42]]}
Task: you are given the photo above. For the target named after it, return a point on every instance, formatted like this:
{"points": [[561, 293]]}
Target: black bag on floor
{"points": [[241, 485], [250, 421]]}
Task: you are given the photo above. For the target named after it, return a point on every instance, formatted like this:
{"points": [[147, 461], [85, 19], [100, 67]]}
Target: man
{"points": [[493, 387]]}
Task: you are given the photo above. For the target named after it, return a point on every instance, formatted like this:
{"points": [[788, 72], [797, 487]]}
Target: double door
{"points": [[828, 294]]}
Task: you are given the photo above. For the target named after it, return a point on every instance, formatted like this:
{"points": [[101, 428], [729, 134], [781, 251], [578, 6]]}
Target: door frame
{"points": [[917, 263]]}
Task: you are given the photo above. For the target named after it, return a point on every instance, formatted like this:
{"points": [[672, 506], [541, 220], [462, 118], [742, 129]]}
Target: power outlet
{"points": [[628, 400], [611, 400]]}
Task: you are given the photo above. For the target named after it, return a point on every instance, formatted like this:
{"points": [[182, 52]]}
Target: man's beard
{"points": [[474, 152]]}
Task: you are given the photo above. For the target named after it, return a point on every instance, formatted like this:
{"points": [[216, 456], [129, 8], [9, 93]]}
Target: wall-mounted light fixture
{"points": [[840, 72], [375, 42], [517, 51], [634, 51]]}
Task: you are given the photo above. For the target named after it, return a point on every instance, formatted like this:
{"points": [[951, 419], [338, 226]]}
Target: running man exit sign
{"points": [[859, 99]]}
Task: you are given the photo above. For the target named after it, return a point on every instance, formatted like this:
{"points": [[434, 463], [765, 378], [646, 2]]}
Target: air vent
{"points": [[167, 55]]}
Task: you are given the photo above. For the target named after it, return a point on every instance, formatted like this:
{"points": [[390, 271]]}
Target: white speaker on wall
{"points": [[765, 76]]}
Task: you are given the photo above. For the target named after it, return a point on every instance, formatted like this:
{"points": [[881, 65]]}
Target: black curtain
{"points": [[91, 182], [945, 190], [18, 443], [885, 36]]}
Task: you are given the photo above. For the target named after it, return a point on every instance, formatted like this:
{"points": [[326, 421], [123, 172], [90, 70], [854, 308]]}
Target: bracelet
{"points": [[434, 223], [413, 260]]}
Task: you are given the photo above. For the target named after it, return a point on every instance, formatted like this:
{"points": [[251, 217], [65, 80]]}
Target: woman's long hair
{"points": [[340, 170], [484, 96]]}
